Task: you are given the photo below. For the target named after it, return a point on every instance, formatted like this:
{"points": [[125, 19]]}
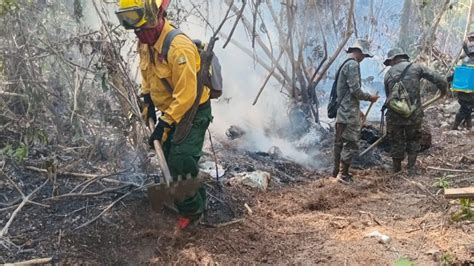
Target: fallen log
{"points": [[31, 262], [459, 193], [450, 170]]}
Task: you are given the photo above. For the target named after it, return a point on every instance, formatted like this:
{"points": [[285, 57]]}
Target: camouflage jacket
{"points": [[411, 81], [349, 93]]}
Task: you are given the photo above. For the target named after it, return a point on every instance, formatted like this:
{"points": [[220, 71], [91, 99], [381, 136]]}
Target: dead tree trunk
{"points": [[404, 34]]}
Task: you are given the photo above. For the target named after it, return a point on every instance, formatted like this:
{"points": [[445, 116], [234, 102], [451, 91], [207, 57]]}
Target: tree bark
{"points": [[404, 33]]}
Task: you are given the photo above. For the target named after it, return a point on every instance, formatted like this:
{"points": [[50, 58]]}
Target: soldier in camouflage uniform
{"points": [[466, 100], [349, 93], [405, 133]]}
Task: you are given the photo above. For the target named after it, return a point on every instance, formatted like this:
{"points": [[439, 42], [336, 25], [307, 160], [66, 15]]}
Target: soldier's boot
{"points": [[457, 122], [411, 165], [468, 122], [336, 169], [397, 165], [337, 161], [344, 176]]}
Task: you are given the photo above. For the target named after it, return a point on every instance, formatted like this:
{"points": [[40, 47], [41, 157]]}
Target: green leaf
{"points": [[404, 262], [21, 153]]}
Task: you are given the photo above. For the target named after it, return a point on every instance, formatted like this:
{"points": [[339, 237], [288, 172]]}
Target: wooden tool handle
{"points": [[161, 156]]}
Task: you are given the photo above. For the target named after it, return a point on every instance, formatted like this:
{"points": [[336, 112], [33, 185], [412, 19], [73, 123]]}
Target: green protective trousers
{"points": [[183, 160]]}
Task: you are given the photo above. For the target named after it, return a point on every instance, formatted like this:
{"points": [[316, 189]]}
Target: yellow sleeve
{"points": [[145, 88], [144, 64], [182, 59]]}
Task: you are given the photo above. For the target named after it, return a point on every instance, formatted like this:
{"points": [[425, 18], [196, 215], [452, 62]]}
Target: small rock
{"points": [[257, 179], [209, 167], [433, 252], [275, 152], [454, 133], [381, 237], [451, 108], [234, 132]]}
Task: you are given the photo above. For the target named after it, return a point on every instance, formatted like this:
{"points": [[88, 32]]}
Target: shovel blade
{"points": [[159, 194]]}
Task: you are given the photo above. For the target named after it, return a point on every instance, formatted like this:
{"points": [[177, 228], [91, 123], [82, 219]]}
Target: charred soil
{"points": [[303, 217]]}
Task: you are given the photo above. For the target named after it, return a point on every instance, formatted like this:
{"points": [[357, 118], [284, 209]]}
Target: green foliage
{"points": [[442, 182], [19, 154], [465, 213], [446, 259], [7, 6], [404, 262]]}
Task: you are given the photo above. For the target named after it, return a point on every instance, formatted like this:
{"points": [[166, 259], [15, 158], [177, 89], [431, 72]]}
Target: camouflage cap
{"points": [[394, 53], [363, 46]]}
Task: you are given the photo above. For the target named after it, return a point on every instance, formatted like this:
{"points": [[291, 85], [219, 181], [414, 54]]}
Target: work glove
{"points": [[160, 133], [148, 109]]}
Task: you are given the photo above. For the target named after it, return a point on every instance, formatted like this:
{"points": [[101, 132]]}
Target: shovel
{"points": [[159, 192], [167, 192], [368, 110]]}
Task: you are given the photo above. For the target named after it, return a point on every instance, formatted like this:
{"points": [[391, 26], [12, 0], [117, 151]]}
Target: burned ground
{"points": [[304, 217]]}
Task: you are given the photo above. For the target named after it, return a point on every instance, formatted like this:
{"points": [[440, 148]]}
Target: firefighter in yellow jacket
{"points": [[170, 85]]}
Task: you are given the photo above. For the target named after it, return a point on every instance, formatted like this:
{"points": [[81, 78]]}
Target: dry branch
{"points": [[450, 170], [83, 175], [91, 194], [31, 262], [267, 79], [108, 208], [26, 199], [239, 16], [262, 45], [347, 35], [259, 61], [224, 224]]}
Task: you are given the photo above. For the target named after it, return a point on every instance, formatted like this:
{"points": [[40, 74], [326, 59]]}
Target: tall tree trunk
{"points": [[404, 36], [470, 19]]}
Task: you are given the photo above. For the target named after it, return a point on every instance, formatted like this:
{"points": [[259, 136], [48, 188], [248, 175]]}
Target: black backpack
{"points": [[333, 105], [214, 77]]}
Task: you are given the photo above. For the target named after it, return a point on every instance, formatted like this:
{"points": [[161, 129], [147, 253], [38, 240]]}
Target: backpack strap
{"points": [[164, 54], [167, 42], [337, 77], [402, 75], [404, 72]]}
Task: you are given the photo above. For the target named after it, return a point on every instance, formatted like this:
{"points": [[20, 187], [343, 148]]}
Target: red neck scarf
{"points": [[150, 35]]}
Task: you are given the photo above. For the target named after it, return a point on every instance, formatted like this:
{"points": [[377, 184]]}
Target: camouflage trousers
{"points": [[346, 143], [183, 160], [404, 139]]}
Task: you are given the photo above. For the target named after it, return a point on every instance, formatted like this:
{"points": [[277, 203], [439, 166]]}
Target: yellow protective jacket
{"points": [[179, 69]]}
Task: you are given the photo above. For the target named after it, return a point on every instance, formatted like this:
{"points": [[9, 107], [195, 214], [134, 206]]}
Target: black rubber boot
{"points": [[412, 165], [457, 122], [397, 165], [344, 176], [468, 122]]}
